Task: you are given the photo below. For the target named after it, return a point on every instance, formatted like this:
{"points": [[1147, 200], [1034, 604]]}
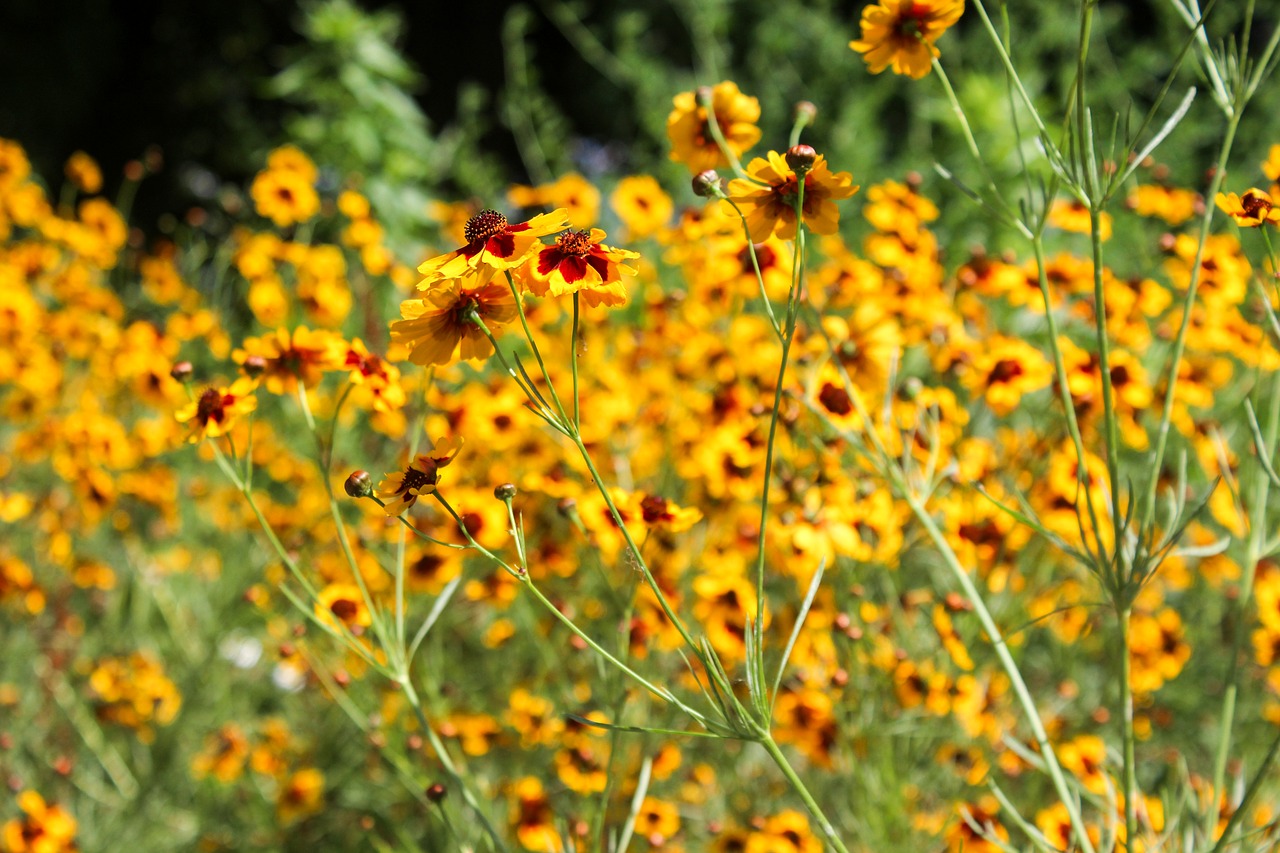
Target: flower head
{"points": [[768, 201], [439, 325], [213, 412], [400, 489], [901, 33], [690, 134], [580, 262], [1250, 210], [287, 357], [494, 243]]}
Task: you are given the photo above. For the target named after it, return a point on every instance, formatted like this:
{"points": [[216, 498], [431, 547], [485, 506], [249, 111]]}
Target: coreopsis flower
{"points": [[134, 692], [287, 357], [493, 243], [654, 512], [768, 200], [580, 262], [691, 140], [82, 170], [1172, 204], [1073, 216], [302, 794], [1271, 166], [225, 754], [534, 820], [343, 603], [46, 828], [573, 193], [641, 204], [439, 325], [901, 34], [400, 490], [285, 196], [1250, 210], [212, 413], [378, 380], [990, 835]]}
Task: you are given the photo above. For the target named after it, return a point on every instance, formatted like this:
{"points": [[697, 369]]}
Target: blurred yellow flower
{"points": [[901, 33]]}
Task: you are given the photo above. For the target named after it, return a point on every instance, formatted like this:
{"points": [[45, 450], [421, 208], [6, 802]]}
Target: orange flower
{"points": [[286, 357], [437, 326], [580, 262], [215, 410], [1250, 210], [771, 208], [689, 131], [401, 489], [45, 829], [901, 33], [494, 243]]}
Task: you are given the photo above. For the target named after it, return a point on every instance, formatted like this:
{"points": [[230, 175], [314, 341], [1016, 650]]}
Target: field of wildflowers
{"points": [[761, 510]]}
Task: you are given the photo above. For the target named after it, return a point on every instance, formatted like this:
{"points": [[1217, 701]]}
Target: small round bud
{"points": [[806, 111], [801, 158], [567, 506], [437, 792], [707, 184], [359, 484], [704, 95], [182, 371], [254, 366], [505, 492]]}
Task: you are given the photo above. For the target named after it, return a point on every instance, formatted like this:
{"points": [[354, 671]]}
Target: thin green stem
{"points": [[446, 761], [1126, 729], [824, 824]]}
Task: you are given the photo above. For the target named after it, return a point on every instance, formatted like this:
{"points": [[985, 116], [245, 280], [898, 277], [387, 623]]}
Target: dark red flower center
{"points": [[574, 243], [654, 509], [211, 406], [1255, 207], [1004, 371], [484, 225], [416, 479]]}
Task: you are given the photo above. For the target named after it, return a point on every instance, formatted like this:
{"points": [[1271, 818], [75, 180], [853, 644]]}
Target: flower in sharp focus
{"points": [[494, 243], [400, 489], [213, 412], [580, 262], [901, 34], [768, 200], [439, 325], [689, 130], [1250, 210]]}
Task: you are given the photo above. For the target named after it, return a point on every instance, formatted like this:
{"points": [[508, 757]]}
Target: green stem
{"points": [[1126, 729], [446, 762], [810, 803]]}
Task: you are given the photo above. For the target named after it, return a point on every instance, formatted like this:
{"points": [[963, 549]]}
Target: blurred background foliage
{"points": [[524, 92]]}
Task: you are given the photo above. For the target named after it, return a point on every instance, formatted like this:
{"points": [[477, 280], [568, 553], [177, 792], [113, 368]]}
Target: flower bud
{"points": [[705, 94], [707, 184], [359, 484], [436, 792], [254, 366], [505, 492], [182, 371], [801, 158], [806, 112]]}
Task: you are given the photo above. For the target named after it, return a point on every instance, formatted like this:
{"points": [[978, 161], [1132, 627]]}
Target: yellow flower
{"points": [[401, 489], [82, 171], [492, 243], [285, 357], [580, 262], [301, 795], [641, 205], [1250, 210], [213, 412], [688, 129], [438, 326], [343, 603], [770, 208], [901, 33], [1073, 216], [285, 191], [45, 829], [571, 194]]}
